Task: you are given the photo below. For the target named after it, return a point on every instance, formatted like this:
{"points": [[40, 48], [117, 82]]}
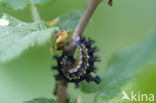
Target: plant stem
{"points": [[92, 5], [61, 92], [84, 20], [34, 12]]}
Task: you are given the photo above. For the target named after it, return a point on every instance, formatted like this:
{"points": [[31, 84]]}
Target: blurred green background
{"points": [[114, 28]]}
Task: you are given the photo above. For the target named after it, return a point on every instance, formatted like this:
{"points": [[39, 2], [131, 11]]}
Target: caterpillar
{"points": [[77, 69]]}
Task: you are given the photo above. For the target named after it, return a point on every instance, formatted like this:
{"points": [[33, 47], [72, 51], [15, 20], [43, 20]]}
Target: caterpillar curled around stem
{"points": [[76, 70]]}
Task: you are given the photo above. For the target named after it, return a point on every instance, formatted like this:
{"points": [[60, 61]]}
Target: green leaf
{"points": [[15, 4], [71, 99], [11, 19], [89, 87], [42, 1], [69, 20], [19, 36], [20, 4], [41, 100], [123, 66]]}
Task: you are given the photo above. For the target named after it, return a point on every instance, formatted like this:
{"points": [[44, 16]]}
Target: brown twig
{"points": [[84, 20], [61, 92], [92, 5]]}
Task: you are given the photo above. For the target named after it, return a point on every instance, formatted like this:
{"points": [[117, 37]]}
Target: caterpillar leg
{"points": [[58, 77], [76, 84], [96, 79]]}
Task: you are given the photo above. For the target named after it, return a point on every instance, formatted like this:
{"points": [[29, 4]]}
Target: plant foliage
{"points": [[19, 36], [20, 4], [123, 66], [41, 100]]}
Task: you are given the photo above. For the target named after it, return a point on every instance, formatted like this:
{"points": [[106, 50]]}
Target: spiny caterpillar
{"points": [[76, 70]]}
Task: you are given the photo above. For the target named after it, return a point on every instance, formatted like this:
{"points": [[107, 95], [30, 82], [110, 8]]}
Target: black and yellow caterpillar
{"points": [[76, 70]]}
